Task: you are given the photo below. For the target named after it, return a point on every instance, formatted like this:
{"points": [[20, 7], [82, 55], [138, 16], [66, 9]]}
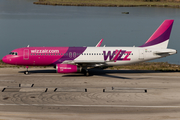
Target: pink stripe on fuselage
{"points": [[162, 28], [39, 55]]}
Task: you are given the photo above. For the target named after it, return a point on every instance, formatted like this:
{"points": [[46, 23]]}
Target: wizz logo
{"points": [[123, 56]]}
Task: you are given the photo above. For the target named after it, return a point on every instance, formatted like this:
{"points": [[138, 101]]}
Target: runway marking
{"points": [[61, 105], [156, 76], [6, 80]]}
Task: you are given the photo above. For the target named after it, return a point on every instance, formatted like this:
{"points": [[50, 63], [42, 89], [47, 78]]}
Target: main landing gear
{"points": [[26, 72], [85, 71]]}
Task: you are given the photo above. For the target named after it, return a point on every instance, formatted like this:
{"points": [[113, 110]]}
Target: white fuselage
{"points": [[128, 55]]}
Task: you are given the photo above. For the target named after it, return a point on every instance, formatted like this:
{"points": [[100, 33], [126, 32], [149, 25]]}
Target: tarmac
{"points": [[104, 95]]}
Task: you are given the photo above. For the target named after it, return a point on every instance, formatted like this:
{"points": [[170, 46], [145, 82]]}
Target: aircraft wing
{"points": [[83, 61], [93, 61]]}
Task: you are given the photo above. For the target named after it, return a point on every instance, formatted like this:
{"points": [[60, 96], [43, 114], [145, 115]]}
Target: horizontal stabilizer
{"points": [[167, 51]]}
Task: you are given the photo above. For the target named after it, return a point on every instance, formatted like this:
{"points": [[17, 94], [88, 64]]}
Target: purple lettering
{"points": [[121, 54], [120, 58], [108, 55], [126, 57]]}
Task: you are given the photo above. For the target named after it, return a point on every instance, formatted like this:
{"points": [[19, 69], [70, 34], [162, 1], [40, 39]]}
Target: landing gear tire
{"points": [[85, 71], [26, 72]]}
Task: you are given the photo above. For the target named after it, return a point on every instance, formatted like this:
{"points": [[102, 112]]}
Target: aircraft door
{"points": [[70, 54], [26, 54], [141, 54], [74, 54]]}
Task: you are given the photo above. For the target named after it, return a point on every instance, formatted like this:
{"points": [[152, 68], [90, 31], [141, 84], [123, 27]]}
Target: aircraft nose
{"points": [[4, 59]]}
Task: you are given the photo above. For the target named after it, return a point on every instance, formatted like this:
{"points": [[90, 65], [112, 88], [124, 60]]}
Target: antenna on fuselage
{"points": [[28, 46], [104, 46]]}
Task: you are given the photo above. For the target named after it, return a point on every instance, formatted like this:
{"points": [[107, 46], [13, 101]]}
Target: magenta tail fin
{"points": [[160, 37]]}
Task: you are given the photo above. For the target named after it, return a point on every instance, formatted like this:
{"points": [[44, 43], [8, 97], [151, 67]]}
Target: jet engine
{"points": [[67, 68]]}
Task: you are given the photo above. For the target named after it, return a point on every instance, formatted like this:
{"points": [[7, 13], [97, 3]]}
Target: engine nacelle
{"points": [[67, 68]]}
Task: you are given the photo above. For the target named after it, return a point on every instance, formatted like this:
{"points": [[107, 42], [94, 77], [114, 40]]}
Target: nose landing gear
{"points": [[26, 72]]}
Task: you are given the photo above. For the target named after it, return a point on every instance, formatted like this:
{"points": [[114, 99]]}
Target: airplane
{"points": [[79, 59]]}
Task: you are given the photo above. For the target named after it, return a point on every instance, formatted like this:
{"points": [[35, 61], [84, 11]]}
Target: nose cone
{"points": [[4, 59]]}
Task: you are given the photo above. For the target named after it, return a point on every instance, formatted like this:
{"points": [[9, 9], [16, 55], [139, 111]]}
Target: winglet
{"points": [[99, 43], [161, 35]]}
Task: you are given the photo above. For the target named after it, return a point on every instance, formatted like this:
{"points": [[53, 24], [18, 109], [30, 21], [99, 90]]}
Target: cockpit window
{"points": [[13, 53]]}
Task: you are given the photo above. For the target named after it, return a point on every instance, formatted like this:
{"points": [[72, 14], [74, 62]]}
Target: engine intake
{"points": [[67, 68]]}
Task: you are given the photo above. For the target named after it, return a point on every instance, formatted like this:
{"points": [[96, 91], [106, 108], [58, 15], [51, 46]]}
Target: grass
{"points": [[111, 3], [157, 66]]}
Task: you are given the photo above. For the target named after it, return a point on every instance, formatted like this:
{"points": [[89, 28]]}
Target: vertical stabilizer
{"points": [[160, 37]]}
